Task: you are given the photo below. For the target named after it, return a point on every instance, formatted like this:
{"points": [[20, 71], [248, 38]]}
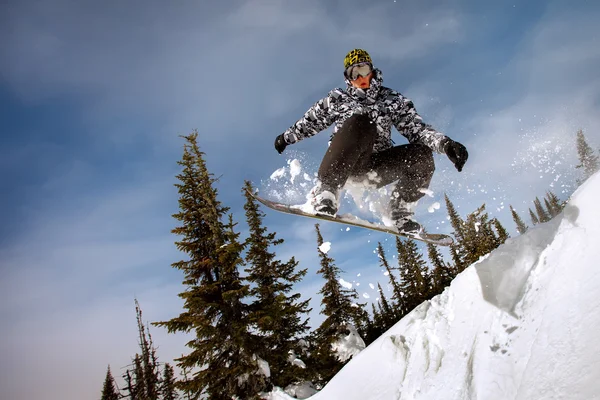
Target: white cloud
{"points": [[247, 60]]}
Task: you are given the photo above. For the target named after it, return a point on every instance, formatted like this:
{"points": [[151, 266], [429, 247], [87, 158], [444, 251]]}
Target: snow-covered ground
{"points": [[522, 323]]}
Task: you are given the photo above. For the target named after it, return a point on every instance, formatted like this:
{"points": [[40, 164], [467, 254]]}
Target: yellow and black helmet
{"points": [[356, 56]]}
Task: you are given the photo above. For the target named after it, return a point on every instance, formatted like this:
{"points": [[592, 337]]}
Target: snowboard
{"points": [[348, 219]]}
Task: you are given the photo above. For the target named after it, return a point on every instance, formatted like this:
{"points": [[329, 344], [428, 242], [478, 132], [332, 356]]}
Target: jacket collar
{"points": [[369, 95]]}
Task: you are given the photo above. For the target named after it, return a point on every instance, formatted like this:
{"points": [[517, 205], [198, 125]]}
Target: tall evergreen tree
{"points": [[339, 304], [457, 223], [442, 273], [134, 380], [397, 297], [521, 227], [554, 204], [415, 275], [501, 234], [109, 389], [534, 218], [477, 240], [549, 209], [388, 314], [142, 379], [280, 318], [340, 310], [480, 236], [457, 251], [168, 390], [457, 258], [375, 328], [222, 352], [541, 213], [588, 161], [186, 378], [149, 363]]}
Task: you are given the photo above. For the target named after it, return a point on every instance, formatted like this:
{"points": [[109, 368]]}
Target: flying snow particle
{"points": [[428, 192], [372, 286], [325, 247], [278, 174], [345, 284], [366, 295], [295, 169], [433, 207]]}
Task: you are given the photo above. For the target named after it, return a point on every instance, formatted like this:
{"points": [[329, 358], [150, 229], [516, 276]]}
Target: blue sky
{"points": [[94, 97]]}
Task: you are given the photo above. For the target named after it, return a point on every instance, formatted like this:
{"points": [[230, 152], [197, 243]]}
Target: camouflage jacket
{"points": [[385, 106]]}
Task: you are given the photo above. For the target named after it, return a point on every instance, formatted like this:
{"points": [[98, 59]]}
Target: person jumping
{"points": [[361, 145]]}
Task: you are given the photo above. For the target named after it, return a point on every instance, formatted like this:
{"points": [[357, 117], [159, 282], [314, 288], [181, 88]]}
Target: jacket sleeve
{"points": [[318, 118], [411, 125]]}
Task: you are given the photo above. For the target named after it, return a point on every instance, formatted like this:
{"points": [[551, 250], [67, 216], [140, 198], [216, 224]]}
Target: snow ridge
{"points": [[519, 324]]}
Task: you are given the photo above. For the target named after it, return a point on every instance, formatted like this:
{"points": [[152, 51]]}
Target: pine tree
{"points": [[388, 314], [521, 227], [501, 233], [442, 273], [480, 236], [541, 213], [588, 161], [376, 315], [149, 362], [142, 379], [168, 390], [186, 379], [554, 204], [223, 348], [534, 218], [457, 258], [549, 210], [415, 275], [134, 380], [109, 389], [455, 220], [339, 304], [457, 251], [280, 318], [397, 297], [339, 309], [375, 326]]}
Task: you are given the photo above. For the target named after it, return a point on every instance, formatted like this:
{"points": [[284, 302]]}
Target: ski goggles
{"points": [[361, 69]]}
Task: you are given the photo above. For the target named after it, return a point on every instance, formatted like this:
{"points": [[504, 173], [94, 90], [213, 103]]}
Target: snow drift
{"points": [[520, 323]]}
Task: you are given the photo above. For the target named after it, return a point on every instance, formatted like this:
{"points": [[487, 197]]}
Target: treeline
{"points": [[250, 327]]}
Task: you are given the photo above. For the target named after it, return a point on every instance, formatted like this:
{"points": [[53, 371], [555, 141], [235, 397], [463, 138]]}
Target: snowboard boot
{"points": [[324, 200], [402, 215], [408, 225]]}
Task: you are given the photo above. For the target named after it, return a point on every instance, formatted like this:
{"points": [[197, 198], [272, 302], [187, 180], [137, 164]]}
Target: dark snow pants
{"points": [[350, 154]]}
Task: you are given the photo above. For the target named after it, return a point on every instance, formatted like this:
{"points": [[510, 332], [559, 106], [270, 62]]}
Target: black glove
{"points": [[457, 153], [280, 144]]}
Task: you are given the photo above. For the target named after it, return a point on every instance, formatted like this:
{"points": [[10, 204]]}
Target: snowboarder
{"points": [[361, 146]]}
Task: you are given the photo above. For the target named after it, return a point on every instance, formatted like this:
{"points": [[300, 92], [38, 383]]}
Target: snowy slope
{"points": [[521, 323]]}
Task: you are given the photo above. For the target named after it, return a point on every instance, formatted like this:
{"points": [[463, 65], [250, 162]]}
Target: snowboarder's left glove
{"points": [[280, 144], [457, 153]]}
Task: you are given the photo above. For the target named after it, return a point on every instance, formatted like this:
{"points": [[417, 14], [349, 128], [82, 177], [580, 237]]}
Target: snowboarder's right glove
{"points": [[280, 144], [457, 153]]}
